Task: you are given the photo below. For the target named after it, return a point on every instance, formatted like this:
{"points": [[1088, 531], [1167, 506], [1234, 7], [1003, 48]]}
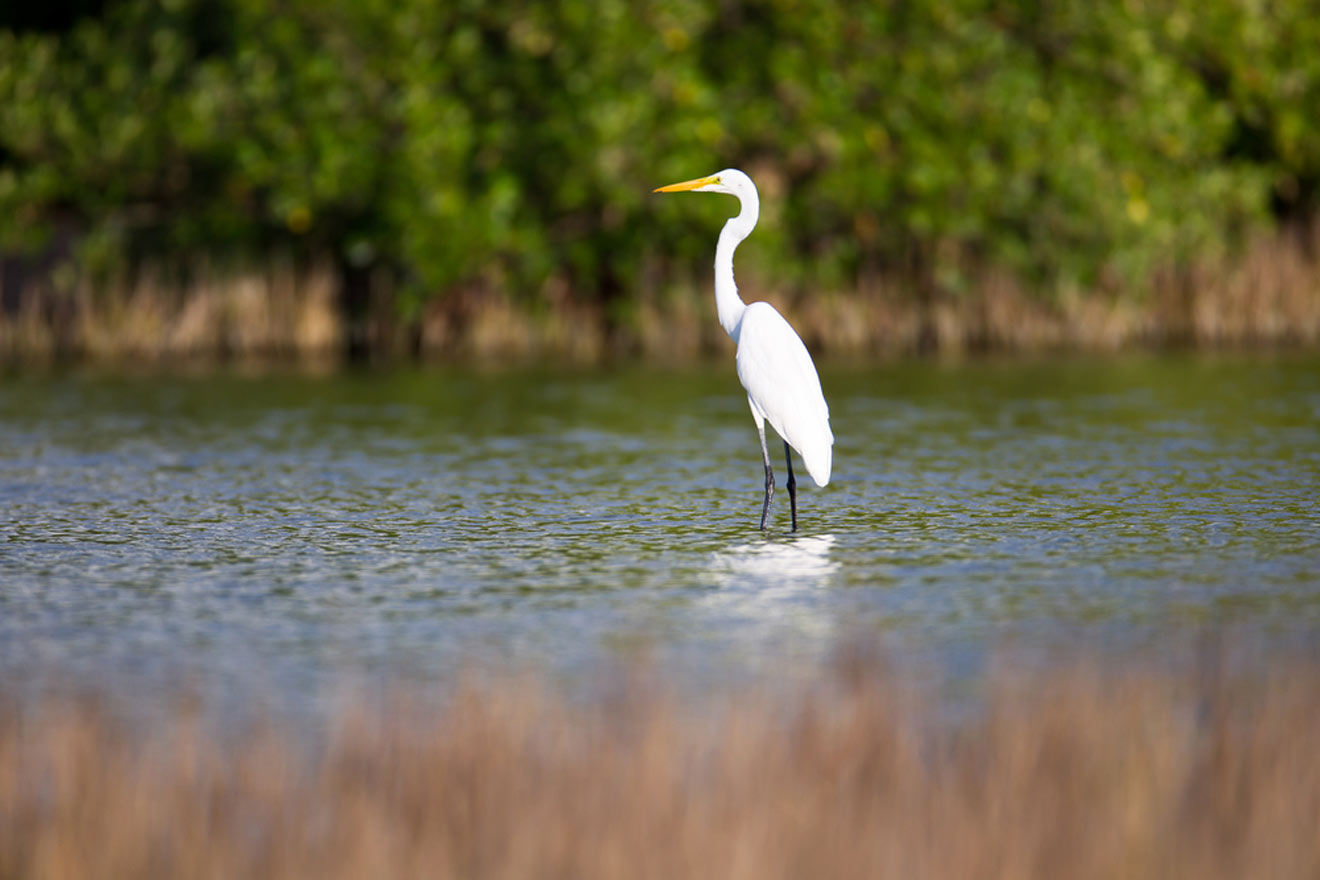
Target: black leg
{"points": [[769, 476], [792, 483]]}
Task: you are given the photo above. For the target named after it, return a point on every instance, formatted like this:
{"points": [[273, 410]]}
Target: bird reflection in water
{"points": [[771, 593], [777, 569]]}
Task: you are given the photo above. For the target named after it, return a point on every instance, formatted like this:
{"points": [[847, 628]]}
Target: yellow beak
{"points": [[687, 184]]}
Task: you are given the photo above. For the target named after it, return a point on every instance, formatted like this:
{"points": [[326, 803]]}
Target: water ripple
{"points": [[289, 529]]}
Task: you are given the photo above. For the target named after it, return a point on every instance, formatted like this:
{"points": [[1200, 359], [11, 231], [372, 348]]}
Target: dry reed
{"points": [[1086, 772], [1266, 294], [281, 311]]}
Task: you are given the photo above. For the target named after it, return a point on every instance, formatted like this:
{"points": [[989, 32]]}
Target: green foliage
{"points": [[1071, 143]]}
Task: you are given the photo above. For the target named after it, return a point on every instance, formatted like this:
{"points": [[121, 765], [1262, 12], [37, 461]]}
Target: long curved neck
{"points": [[728, 305]]}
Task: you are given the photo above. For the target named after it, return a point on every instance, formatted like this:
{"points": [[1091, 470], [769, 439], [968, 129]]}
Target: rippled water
{"points": [[285, 531]]}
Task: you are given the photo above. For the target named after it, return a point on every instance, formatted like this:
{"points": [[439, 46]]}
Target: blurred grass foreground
{"points": [[1084, 772], [226, 177]]}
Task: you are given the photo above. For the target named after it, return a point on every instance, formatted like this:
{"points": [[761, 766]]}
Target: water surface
{"points": [[285, 531]]}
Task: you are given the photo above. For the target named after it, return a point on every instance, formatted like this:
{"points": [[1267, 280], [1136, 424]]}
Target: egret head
{"points": [[730, 181]]}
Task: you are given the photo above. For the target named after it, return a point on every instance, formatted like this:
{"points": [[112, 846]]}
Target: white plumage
{"points": [[782, 386], [773, 364]]}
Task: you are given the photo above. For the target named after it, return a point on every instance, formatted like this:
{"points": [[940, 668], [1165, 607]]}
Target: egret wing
{"points": [[777, 371]]}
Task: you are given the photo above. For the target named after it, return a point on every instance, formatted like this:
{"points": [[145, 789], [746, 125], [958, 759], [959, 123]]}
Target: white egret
{"points": [[773, 364]]}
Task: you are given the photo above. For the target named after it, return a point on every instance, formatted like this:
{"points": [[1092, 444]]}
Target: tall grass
{"points": [[281, 310], [1085, 772], [1266, 295]]}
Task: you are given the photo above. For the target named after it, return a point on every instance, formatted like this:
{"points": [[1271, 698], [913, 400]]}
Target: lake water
{"points": [[283, 532]]}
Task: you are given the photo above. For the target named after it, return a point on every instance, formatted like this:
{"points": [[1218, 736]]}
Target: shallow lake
{"points": [[284, 532]]}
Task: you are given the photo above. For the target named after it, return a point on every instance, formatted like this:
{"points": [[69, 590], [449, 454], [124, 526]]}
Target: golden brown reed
{"points": [[1268, 293], [1146, 773], [282, 310]]}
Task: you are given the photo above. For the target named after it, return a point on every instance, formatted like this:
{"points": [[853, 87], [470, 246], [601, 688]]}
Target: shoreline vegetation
{"points": [[1268, 295], [223, 179], [1151, 770]]}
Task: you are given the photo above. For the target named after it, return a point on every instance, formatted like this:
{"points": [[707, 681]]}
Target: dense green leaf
{"points": [[1065, 142]]}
